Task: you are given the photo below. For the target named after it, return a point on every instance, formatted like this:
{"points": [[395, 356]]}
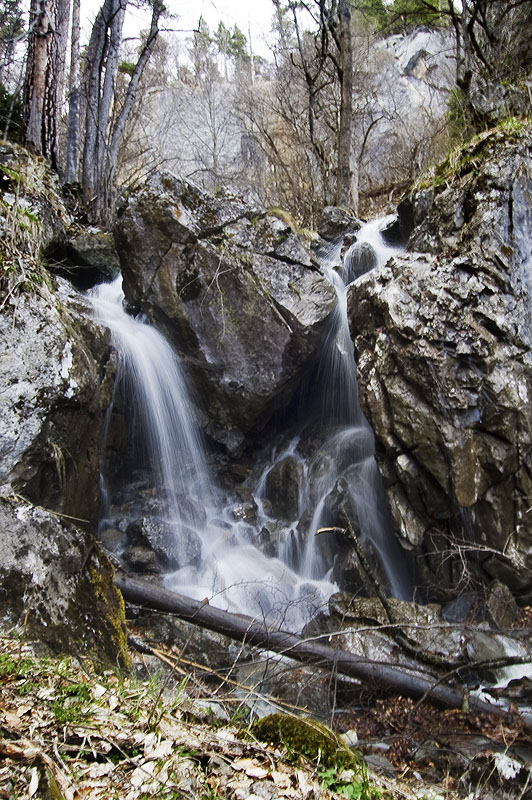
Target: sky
{"points": [[256, 14]]}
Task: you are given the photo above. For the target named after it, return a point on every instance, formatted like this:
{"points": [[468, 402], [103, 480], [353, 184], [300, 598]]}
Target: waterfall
{"points": [[218, 553]]}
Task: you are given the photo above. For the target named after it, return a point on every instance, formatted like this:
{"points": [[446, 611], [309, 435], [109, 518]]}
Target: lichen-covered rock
{"points": [[443, 339], [31, 194], [56, 587], [52, 400], [234, 290]]}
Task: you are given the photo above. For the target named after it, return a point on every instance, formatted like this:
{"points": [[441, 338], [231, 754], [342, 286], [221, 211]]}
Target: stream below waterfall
{"points": [[247, 556]]}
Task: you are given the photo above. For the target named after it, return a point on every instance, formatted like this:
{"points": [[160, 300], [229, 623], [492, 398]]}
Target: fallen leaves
{"points": [[76, 736]]}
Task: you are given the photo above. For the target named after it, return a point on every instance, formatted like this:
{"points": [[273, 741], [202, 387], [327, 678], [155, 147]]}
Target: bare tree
{"points": [[45, 70], [73, 132], [105, 123], [493, 47]]}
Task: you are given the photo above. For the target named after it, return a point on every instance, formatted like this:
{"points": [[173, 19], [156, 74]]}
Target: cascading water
{"points": [[218, 555], [343, 461]]}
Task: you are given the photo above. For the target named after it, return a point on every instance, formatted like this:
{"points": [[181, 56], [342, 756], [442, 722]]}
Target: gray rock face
{"points": [[56, 587], [52, 401], [443, 340], [362, 627], [282, 488], [235, 291]]}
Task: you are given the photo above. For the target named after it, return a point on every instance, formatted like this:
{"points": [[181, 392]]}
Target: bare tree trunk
{"points": [[386, 677], [72, 146], [45, 71], [94, 69], [346, 189], [114, 25], [39, 48], [121, 122], [102, 137]]}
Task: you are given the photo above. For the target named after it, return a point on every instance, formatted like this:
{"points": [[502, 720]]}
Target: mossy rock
{"points": [[467, 157], [308, 738]]}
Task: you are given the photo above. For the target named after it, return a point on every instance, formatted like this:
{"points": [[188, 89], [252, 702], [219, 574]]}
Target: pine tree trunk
{"points": [[39, 48], [45, 71]]}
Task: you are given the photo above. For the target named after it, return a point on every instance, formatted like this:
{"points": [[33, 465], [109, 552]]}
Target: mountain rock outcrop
{"points": [[54, 396], [233, 288], [443, 338], [55, 584]]}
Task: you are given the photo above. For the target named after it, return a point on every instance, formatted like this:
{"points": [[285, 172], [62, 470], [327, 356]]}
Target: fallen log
{"points": [[397, 680]]}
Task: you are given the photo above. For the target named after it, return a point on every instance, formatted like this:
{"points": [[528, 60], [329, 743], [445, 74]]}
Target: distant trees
{"points": [[322, 125], [330, 100]]}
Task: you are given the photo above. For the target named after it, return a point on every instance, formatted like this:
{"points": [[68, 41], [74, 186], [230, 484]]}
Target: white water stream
{"points": [[230, 569]]}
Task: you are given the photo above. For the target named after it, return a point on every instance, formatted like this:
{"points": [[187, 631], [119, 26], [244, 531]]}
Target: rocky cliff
{"points": [[443, 337], [55, 388], [235, 290]]}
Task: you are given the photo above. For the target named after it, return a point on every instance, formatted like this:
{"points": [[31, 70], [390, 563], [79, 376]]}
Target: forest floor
{"points": [[167, 731]]}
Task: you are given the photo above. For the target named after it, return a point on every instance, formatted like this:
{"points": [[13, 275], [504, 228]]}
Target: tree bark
{"points": [[121, 121], [346, 193], [104, 124], [45, 71], [39, 47], [72, 146], [386, 677]]}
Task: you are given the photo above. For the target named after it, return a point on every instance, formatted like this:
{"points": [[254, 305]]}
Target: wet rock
{"points": [[460, 609], [245, 512], [360, 258], [142, 560], [396, 232], [502, 610], [282, 488], [334, 222], [238, 297], [113, 540], [172, 546], [443, 341], [86, 257], [56, 587]]}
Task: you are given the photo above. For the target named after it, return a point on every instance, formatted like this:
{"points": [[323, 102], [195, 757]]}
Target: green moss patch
{"points": [[305, 737], [468, 157]]}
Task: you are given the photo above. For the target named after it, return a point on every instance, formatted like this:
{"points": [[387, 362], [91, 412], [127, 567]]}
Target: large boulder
{"points": [[54, 393], [55, 386], [56, 587], [443, 339], [235, 290]]}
